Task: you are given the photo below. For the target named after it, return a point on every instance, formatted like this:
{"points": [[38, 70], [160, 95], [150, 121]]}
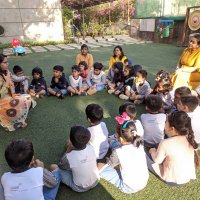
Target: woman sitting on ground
{"points": [[188, 68], [13, 107]]}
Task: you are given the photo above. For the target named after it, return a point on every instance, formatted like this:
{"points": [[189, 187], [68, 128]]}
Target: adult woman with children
{"points": [[188, 68], [13, 108]]}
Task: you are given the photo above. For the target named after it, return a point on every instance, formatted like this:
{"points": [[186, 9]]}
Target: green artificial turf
{"points": [[50, 121]]}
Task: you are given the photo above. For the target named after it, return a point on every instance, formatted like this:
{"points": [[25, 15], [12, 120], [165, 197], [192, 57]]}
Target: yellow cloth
{"points": [[189, 73], [87, 58], [116, 59]]}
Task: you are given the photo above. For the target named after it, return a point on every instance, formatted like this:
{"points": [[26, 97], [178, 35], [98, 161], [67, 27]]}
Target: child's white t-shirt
{"points": [[83, 166], [133, 164], [195, 123], [75, 82], [153, 125], [99, 139], [26, 185], [139, 127]]}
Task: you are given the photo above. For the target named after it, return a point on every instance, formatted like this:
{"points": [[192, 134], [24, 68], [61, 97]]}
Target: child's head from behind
{"points": [[37, 73], [58, 71], [75, 71], [179, 123], [118, 67], [97, 68], [153, 103], [79, 136], [187, 103], [163, 82], [17, 70], [83, 65], [128, 108], [141, 76], [127, 133], [128, 71], [19, 154], [181, 92], [94, 113]]}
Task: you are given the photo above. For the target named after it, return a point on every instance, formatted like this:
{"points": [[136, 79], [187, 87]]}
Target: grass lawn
{"points": [[50, 121]]}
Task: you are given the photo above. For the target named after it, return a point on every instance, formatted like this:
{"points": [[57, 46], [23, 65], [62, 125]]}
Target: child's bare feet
{"points": [[24, 125], [53, 167]]}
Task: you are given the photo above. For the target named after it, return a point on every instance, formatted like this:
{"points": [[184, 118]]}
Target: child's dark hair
{"points": [[38, 71], [183, 91], [136, 68], [153, 103], [17, 69], [84, 46], [79, 136], [98, 66], [143, 73], [58, 68], [182, 124], [76, 68], [128, 132], [119, 66], [190, 101], [84, 64], [94, 112], [19, 154], [129, 108], [122, 53], [130, 69]]}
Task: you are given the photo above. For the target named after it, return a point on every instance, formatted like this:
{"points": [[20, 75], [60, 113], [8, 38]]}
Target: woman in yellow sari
{"points": [[188, 68], [13, 108], [118, 56]]}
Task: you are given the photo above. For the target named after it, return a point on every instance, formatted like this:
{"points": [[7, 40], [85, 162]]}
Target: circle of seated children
{"points": [[169, 123]]}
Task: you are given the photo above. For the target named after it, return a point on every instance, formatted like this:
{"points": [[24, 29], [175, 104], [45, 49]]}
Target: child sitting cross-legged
{"points": [[75, 81], [153, 122], [20, 80], [96, 79], [176, 159], [38, 86], [78, 166], [29, 180], [59, 83], [126, 168], [140, 90], [98, 130], [190, 105]]}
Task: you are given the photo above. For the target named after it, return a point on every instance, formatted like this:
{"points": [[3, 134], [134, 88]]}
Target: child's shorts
{"points": [[63, 91]]}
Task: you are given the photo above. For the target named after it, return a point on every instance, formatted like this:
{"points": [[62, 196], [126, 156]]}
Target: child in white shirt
{"points": [[98, 130], [190, 105], [127, 167], [78, 166], [28, 175], [153, 122], [75, 81]]}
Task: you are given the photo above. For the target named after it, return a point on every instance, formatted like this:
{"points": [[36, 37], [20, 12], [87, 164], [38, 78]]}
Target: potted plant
{"points": [[84, 29]]}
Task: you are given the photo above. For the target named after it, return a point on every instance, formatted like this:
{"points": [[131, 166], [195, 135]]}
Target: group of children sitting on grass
{"points": [[166, 144]]}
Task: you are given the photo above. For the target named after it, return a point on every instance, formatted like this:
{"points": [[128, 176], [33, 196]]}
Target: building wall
{"points": [[31, 20]]}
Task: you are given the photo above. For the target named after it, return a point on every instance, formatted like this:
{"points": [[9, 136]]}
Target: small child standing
{"points": [[96, 79], [28, 175], [59, 83], [38, 86], [127, 168], [153, 122], [78, 166], [20, 80], [190, 105], [76, 82], [140, 90], [98, 130]]}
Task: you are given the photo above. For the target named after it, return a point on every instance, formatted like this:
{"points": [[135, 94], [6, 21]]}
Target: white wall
{"points": [[31, 20]]}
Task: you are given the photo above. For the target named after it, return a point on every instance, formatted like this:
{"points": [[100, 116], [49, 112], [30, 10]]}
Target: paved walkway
{"points": [[92, 43]]}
